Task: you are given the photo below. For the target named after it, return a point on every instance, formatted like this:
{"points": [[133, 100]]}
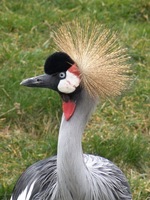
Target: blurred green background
{"points": [[30, 118]]}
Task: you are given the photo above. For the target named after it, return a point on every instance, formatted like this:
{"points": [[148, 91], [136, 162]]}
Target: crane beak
{"points": [[43, 81]]}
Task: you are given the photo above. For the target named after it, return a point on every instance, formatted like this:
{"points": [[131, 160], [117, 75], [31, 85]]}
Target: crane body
{"points": [[73, 175]]}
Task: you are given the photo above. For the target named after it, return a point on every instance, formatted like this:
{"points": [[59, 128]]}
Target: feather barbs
{"points": [[101, 61]]}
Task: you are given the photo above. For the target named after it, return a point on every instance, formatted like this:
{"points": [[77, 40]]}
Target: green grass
{"points": [[29, 118]]}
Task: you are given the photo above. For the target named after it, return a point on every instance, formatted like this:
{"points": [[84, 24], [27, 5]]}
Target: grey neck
{"points": [[71, 169]]}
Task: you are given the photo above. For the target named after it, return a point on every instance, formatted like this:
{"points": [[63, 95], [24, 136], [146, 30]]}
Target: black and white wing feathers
{"points": [[39, 181], [109, 182]]}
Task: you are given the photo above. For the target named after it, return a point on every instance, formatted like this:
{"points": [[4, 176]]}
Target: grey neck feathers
{"points": [[71, 170]]}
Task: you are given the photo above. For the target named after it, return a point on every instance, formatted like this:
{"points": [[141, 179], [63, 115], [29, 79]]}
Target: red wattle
{"points": [[74, 70], [68, 109]]}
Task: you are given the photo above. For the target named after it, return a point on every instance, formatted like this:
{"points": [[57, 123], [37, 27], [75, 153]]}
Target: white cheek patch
{"points": [[69, 84]]}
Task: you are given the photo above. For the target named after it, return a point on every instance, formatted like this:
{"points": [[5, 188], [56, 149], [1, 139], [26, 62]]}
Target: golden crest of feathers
{"points": [[101, 61]]}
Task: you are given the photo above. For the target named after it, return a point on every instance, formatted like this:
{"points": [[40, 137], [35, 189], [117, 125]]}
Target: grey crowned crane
{"points": [[88, 64]]}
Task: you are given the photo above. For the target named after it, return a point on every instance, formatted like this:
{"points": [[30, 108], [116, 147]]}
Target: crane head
{"points": [[93, 60], [61, 75]]}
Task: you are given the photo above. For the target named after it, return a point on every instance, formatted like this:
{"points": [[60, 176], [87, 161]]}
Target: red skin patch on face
{"points": [[74, 70]]}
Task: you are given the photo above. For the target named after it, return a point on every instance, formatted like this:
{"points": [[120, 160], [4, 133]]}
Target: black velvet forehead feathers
{"points": [[57, 62]]}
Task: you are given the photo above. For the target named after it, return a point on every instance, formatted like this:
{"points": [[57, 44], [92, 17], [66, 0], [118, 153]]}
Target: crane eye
{"points": [[62, 75]]}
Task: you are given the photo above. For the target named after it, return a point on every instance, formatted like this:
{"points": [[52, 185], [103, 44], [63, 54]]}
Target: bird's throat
{"points": [[71, 170]]}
